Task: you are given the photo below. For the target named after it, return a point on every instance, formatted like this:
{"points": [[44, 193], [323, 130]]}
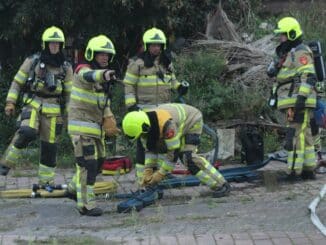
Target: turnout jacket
{"points": [[297, 77], [148, 86], [35, 91], [170, 125], [89, 103]]}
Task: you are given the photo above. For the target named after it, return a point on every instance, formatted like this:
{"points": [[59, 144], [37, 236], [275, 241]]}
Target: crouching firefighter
{"points": [[169, 132], [45, 81], [295, 95], [149, 81], [90, 119]]}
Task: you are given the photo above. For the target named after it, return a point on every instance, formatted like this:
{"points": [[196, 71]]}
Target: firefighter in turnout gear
{"points": [[294, 93], [169, 132], [90, 119], [149, 81], [44, 80]]}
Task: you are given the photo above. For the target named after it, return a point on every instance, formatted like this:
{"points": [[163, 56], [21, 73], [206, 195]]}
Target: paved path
{"points": [[254, 213]]}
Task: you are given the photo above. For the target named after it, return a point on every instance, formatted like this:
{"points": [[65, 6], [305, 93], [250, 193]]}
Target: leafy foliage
{"points": [[312, 24], [216, 100], [124, 21]]}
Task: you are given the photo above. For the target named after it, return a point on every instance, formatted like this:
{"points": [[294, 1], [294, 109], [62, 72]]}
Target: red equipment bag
{"points": [[116, 165]]}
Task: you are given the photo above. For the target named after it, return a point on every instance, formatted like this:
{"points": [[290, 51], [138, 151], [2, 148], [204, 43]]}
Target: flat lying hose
{"points": [[313, 215], [104, 187]]}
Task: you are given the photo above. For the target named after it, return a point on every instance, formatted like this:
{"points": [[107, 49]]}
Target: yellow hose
{"points": [[103, 187]]}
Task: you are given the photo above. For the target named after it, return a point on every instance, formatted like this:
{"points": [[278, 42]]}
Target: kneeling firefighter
{"points": [[295, 95], [45, 81], [168, 132], [89, 116], [149, 81]]}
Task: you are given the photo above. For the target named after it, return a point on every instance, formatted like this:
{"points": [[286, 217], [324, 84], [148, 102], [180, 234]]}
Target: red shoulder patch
{"points": [[81, 66], [303, 60], [170, 133]]}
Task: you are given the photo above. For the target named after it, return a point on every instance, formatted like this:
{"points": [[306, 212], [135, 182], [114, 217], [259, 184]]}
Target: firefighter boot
{"points": [[91, 212], [308, 175], [71, 195], [292, 177], [222, 191]]}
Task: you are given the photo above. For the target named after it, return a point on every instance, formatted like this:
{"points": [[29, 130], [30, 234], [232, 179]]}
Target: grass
{"points": [[272, 142], [23, 173], [213, 203], [9, 225], [246, 199], [136, 220], [291, 196], [80, 240], [270, 181], [311, 22], [206, 143], [194, 217]]}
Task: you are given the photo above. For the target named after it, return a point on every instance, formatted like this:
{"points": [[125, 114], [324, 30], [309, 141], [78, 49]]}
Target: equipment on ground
{"points": [[116, 165], [141, 199], [313, 214], [252, 151], [104, 187]]}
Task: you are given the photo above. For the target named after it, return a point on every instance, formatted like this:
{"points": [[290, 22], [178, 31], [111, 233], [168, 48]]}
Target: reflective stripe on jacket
{"points": [[88, 103], [297, 67], [145, 87]]}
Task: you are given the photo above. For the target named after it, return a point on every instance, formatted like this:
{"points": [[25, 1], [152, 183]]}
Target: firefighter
{"points": [[44, 80], [316, 131], [90, 119], [149, 81], [295, 95], [169, 132]]}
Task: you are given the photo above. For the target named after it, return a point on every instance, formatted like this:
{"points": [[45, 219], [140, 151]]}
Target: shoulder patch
{"points": [[81, 66], [170, 133], [303, 60]]}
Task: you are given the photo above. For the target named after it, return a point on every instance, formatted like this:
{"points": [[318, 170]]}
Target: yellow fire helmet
{"points": [[53, 34], [100, 43], [154, 35], [290, 26], [135, 123]]}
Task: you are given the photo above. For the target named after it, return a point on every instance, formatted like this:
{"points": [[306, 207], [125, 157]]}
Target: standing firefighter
{"points": [[149, 81], [168, 132], [295, 95], [90, 119], [45, 81]]}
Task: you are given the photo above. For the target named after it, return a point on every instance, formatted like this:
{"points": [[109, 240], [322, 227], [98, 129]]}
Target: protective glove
{"points": [[10, 109], [134, 107], [183, 88], [110, 126], [109, 75], [157, 178], [147, 176]]}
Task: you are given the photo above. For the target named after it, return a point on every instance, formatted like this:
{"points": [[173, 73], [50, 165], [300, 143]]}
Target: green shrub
{"points": [[216, 100], [7, 125], [312, 22]]}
